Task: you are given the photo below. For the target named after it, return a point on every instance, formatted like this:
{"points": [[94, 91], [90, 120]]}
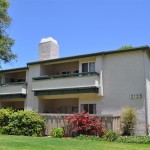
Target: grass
{"points": [[45, 143]]}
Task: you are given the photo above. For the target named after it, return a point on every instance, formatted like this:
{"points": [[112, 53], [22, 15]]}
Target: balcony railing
{"points": [[13, 90], [13, 83], [66, 75], [88, 82]]}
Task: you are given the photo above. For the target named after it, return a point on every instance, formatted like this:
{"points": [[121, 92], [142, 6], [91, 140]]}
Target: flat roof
{"points": [[79, 56], [92, 54], [14, 69]]}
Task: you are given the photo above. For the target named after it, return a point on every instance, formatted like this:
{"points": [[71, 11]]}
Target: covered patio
{"points": [[59, 106]]}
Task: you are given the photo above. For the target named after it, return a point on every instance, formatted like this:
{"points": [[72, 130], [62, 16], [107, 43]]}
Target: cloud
{"points": [[49, 39]]}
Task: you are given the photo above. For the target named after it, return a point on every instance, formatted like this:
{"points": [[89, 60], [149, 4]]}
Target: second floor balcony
{"points": [[13, 90], [87, 82]]}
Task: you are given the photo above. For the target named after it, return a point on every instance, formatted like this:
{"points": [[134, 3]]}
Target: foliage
{"points": [[83, 124], [134, 139], [125, 47], [5, 115], [6, 42], [110, 135], [89, 137], [57, 132], [26, 123], [128, 120]]}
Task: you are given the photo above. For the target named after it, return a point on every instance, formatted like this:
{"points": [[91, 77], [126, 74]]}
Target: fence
{"points": [[111, 122]]}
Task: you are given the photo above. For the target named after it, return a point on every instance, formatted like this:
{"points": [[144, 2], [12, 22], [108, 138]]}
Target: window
{"points": [[90, 108], [85, 67], [88, 67], [92, 67]]}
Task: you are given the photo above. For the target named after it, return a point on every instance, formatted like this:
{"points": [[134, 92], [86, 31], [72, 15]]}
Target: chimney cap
{"points": [[49, 39]]}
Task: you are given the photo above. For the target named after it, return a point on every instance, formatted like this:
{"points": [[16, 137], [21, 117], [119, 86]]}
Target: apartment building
{"points": [[100, 83]]}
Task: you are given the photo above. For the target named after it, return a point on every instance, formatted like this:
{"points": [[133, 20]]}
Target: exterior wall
{"points": [[123, 76], [83, 60], [31, 102], [147, 90], [98, 68], [90, 99]]}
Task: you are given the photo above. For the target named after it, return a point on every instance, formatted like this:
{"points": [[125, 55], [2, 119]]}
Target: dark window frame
{"points": [[87, 108]]}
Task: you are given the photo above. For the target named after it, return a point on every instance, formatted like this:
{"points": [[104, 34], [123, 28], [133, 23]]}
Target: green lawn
{"points": [[45, 143]]}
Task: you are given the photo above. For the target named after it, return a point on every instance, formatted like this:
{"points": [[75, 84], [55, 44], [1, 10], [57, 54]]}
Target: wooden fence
{"points": [[111, 122]]}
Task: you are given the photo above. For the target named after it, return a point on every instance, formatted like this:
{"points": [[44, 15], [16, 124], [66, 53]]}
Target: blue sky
{"points": [[79, 26]]}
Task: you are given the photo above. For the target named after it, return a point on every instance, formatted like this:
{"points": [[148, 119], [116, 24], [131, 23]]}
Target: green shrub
{"points": [[110, 135], [26, 123], [5, 115], [128, 121], [57, 132], [134, 139]]}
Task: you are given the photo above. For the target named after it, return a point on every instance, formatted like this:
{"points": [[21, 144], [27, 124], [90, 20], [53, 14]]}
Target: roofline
{"points": [[14, 69], [146, 47]]}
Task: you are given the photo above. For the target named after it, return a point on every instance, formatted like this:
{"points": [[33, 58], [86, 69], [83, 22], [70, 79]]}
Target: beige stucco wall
{"points": [[123, 76], [147, 89], [31, 101], [90, 99]]}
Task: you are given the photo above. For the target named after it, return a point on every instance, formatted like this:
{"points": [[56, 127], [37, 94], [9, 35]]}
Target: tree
{"points": [[6, 42], [125, 47]]}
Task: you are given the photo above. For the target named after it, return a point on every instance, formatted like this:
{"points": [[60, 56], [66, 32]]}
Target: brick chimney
{"points": [[48, 49]]}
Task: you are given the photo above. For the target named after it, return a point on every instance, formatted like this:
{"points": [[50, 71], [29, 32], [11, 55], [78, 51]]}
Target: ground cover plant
{"points": [[134, 139], [110, 136], [113, 137], [10, 142]]}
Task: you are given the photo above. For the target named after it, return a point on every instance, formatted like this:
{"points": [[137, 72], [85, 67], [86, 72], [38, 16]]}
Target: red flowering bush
{"points": [[83, 123]]}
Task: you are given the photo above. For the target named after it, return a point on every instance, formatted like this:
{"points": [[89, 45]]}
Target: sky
{"points": [[79, 26]]}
